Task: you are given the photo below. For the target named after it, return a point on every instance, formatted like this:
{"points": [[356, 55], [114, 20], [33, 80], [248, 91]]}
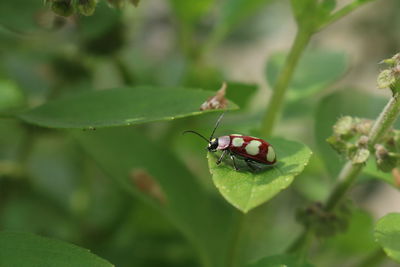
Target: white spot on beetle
{"points": [[253, 148], [237, 142], [236, 135], [270, 154]]}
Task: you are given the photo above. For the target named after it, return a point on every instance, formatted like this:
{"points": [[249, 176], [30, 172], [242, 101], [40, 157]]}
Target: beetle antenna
{"points": [[216, 125], [196, 134]]}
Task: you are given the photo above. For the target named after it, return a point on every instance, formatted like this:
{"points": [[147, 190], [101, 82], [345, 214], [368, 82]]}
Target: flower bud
{"points": [[116, 3], [86, 7], [344, 126], [360, 156], [385, 79], [62, 7], [385, 160]]}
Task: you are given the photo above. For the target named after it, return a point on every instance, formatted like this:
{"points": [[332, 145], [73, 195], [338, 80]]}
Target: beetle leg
{"points": [[250, 165], [234, 162], [221, 157]]}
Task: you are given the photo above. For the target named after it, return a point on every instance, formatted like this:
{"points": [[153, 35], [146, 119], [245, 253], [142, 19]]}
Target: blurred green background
{"points": [[142, 195]]}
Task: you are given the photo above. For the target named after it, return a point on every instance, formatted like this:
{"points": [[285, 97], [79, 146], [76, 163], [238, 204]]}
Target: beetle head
{"points": [[213, 145]]}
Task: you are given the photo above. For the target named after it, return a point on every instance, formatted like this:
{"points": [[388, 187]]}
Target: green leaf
{"points": [[190, 11], [316, 71], [246, 190], [118, 107], [24, 249], [372, 169], [357, 239], [174, 192], [231, 14], [279, 261], [20, 15], [387, 234]]}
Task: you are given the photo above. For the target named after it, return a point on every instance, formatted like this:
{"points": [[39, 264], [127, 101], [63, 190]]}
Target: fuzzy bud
{"points": [[62, 7], [385, 160], [343, 127], [85, 7], [116, 3], [390, 78], [360, 156]]}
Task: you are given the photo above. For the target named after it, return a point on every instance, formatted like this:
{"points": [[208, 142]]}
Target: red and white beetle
{"points": [[250, 149]]}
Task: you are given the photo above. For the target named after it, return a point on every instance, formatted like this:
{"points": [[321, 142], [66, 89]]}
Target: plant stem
{"points": [[277, 99], [385, 121], [233, 260], [350, 171], [347, 176], [300, 244]]}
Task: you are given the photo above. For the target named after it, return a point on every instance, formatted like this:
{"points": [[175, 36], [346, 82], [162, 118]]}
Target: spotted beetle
{"points": [[250, 149]]}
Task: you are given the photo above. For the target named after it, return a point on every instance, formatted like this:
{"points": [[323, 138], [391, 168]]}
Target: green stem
{"points": [[301, 244], [347, 177], [277, 99], [385, 121], [233, 260], [350, 171]]}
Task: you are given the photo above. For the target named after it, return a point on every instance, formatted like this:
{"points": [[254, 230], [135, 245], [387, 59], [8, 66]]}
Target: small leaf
{"points": [[246, 190], [279, 261], [316, 71], [118, 107], [387, 234], [25, 250]]}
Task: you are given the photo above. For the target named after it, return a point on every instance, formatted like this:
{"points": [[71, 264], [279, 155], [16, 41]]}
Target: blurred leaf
{"points": [[122, 152], [279, 261], [233, 12], [54, 168], [102, 21], [316, 71], [358, 238], [10, 95], [240, 93], [247, 190], [190, 11], [24, 249], [118, 107], [330, 109], [20, 15], [372, 169], [387, 234]]}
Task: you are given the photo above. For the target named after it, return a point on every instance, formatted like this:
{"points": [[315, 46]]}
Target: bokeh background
{"points": [[53, 183]]}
